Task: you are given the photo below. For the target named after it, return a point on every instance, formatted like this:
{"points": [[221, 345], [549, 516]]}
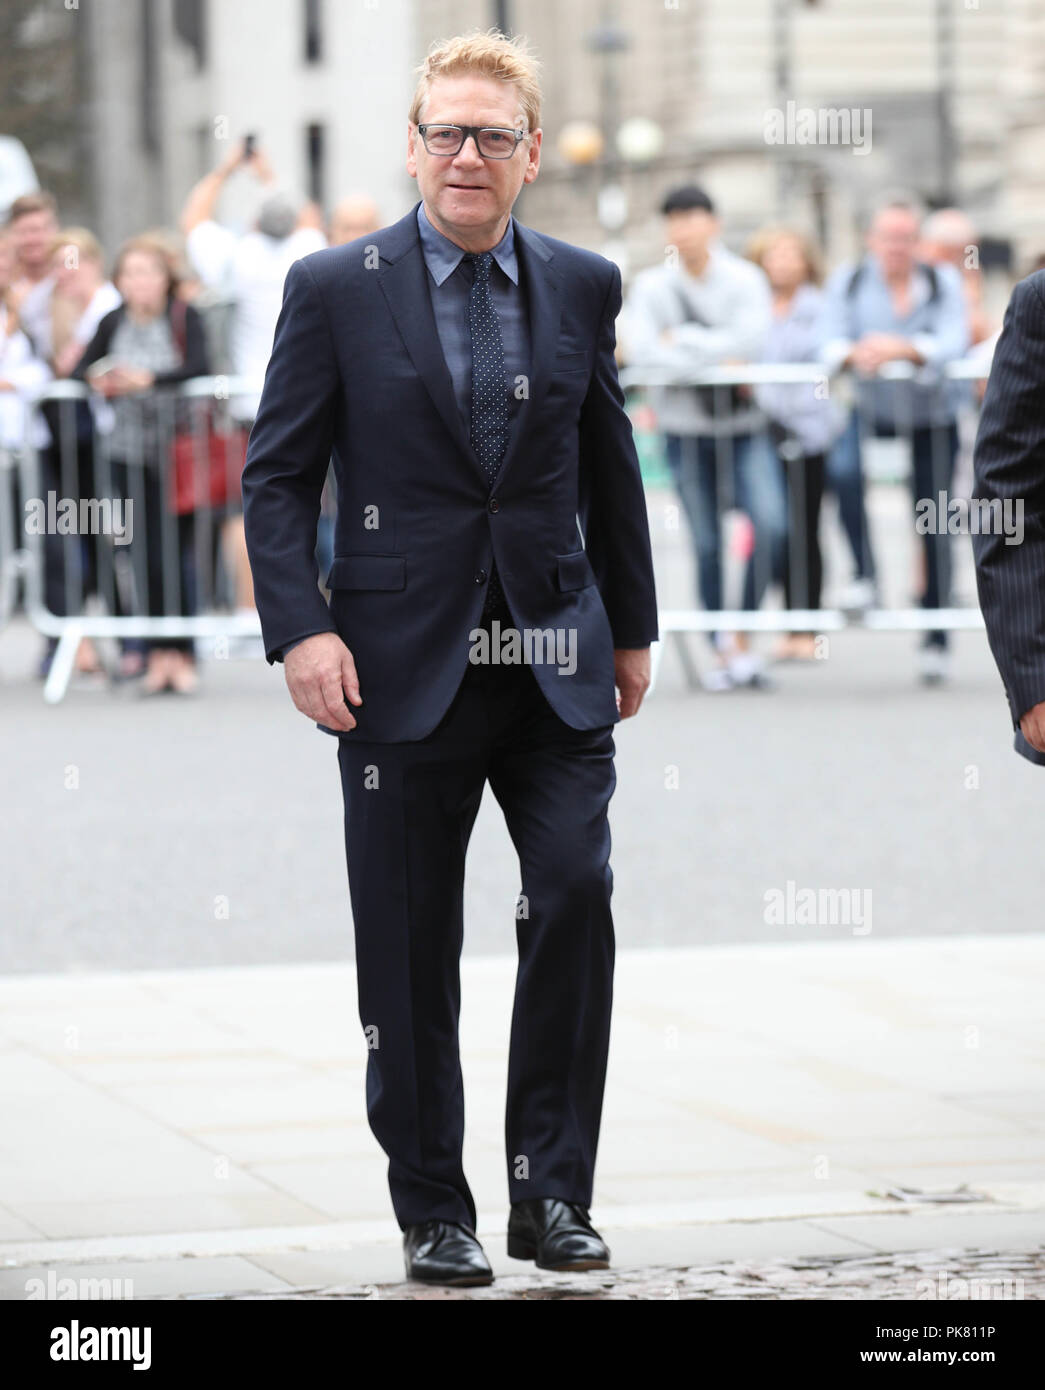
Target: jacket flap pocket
{"points": [[575, 571], [367, 572], [570, 362]]}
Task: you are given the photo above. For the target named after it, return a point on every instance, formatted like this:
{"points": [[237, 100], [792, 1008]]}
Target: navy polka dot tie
{"points": [[489, 427]]}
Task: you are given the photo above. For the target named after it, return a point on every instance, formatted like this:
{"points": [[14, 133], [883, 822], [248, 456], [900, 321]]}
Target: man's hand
{"points": [[311, 215], [116, 381], [259, 166], [18, 293], [875, 349], [632, 674], [66, 360], [1032, 726], [137, 378], [320, 673]]}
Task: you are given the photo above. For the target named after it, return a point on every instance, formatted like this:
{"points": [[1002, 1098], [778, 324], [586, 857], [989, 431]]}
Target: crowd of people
{"points": [[206, 299], [179, 304], [771, 449]]}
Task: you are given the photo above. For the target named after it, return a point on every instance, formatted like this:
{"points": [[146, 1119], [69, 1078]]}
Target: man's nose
{"points": [[468, 154]]}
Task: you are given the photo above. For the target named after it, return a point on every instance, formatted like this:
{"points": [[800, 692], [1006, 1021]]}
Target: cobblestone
{"points": [[944, 1274]]}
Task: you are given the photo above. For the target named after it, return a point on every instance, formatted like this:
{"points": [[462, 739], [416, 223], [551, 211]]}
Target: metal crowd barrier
{"points": [[677, 625], [12, 555], [174, 453], [162, 583]]}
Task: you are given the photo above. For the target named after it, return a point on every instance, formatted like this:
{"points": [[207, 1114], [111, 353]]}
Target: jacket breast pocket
{"points": [[367, 572], [574, 571]]}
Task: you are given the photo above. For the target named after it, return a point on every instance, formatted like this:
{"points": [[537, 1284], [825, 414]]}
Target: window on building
{"points": [[315, 158], [148, 86], [190, 24], [313, 14]]}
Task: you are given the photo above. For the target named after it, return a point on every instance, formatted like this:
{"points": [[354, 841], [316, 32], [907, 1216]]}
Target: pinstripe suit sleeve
{"points": [[1009, 464]]}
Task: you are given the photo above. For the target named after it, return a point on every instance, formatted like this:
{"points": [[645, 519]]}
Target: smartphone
{"points": [[103, 366], [249, 143]]}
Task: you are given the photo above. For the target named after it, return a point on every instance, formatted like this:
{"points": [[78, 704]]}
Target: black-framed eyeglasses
{"points": [[492, 141]]}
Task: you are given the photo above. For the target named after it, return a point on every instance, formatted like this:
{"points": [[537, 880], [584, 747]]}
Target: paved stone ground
{"points": [[947, 1274], [203, 1132]]}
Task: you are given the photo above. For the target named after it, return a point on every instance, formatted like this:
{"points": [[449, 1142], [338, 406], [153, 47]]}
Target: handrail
{"points": [[787, 373], [215, 387], [221, 386]]}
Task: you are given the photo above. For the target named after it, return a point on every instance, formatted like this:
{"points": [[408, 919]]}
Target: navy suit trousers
{"points": [[409, 812]]}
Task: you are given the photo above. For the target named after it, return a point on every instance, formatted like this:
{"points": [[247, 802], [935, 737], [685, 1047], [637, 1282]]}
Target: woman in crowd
{"points": [[804, 423], [153, 339], [81, 296], [21, 371]]}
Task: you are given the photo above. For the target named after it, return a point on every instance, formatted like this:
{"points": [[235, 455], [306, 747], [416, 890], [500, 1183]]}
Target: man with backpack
{"points": [[706, 307], [891, 308]]}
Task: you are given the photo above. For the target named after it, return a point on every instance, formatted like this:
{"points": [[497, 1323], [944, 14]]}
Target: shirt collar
{"points": [[712, 265], [443, 256], [920, 283]]}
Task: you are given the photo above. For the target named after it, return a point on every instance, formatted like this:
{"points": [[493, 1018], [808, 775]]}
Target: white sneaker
{"points": [[716, 679], [934, 665], [746, 668], [858, 595]]}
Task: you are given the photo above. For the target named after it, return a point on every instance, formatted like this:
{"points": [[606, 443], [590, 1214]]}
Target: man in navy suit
{"points": [[1009, 466], [492, 585]]}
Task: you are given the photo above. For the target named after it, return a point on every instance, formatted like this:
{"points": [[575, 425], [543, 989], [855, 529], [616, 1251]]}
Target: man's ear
{"points": [[533, 156], [411, 149]]}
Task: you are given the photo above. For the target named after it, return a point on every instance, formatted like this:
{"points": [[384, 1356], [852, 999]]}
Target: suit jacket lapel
{"points": [[543, 290], [404, 281]]}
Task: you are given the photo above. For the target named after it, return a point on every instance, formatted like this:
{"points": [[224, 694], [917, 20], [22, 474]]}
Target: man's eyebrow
{"points": [[507, 124]]}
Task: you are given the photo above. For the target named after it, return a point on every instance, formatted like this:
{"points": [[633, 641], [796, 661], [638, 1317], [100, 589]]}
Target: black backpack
{"points": [[854, 284]]}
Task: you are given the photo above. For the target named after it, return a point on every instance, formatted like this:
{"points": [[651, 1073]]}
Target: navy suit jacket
{"points": [[357, 374], [1009, 464]]}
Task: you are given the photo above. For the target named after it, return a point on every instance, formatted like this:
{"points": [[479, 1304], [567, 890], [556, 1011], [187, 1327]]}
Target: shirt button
{"points": [[480, 576]]}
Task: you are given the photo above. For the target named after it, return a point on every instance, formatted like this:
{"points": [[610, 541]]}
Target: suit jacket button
{"points": [[480, 576], [495, 506]]}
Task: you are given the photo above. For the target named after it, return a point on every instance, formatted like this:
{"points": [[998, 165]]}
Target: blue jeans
{"points": [[712, 474], [934, 449], [845, 477]]}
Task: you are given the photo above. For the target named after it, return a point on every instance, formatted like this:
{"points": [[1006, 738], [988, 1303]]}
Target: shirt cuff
{"points": [[281, 652], [929, 348], [834, 353]]}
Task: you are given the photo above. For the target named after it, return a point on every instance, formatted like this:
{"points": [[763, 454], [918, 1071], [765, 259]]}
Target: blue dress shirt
{"points": [[450, 282]]}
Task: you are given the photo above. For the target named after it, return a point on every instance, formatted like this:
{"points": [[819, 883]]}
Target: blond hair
{"points": [[12, 323], [85, 241], [766, 237], [7, 296], [485, 54]]}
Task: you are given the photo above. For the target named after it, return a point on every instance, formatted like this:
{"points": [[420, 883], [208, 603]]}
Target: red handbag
{"points": [[205, 464], [206, 468]]}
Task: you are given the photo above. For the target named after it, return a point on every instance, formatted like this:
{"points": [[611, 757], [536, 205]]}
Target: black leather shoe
{"points": [[557, 1234], [442, 1252]]}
